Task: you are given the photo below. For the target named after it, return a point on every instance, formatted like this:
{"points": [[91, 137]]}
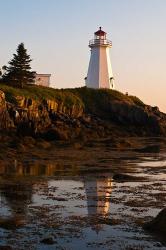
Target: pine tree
{"points": [[19, 73]]}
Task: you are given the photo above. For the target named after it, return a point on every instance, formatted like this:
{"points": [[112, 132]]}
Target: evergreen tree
{"points": [[19, 73]]}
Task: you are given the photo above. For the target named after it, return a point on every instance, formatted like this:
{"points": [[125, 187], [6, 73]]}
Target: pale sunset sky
{"points": [[56, 34]]}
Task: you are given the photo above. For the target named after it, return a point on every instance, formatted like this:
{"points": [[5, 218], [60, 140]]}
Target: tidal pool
{"points": [[71, 204]]}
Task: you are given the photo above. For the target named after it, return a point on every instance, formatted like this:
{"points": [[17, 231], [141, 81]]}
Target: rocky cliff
{"points": [[5, 121], [128, 112], [76, 113]]}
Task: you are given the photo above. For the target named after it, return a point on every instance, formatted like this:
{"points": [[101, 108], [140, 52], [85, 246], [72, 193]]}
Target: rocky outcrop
{"points": [[129, 114], [5, 121], [32, 117], [37, 106], [139, 116], [94, 113], [158, 224], [123, 110]]}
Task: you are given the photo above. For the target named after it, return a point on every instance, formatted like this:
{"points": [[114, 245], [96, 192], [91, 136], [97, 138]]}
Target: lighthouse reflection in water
{"points": [[24, 186], [98, 193]]}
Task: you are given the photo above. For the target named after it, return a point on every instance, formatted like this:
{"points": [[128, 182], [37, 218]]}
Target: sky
{"points": [[56, 35]]}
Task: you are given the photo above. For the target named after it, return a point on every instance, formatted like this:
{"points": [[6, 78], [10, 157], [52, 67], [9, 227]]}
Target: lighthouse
{"points": [[100, 71]]}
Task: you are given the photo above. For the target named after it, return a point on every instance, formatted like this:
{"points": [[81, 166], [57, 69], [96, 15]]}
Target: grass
{"points": [[40, 93], [99, 101], [137, 101], [98, 96], [94, 101]]}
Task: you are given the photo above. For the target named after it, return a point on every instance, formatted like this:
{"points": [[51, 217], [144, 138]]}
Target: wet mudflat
{"points": [[92, 197]]}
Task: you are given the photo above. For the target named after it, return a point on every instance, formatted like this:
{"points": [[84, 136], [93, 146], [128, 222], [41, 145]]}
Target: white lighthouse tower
{"points": [[100, 71]]}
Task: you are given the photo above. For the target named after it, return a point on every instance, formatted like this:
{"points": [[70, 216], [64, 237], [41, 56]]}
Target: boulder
{"points": [[12, 223], [149, 149], [127, 177], [48, 241], [158, 224], [6, 248], [56, 134]]}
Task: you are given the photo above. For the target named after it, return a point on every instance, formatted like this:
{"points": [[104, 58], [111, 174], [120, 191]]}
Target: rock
{"points": [[26, 128], [149, 149], [48, 241], [117, 143], [5, 121], [126, 177], [86, 119], [43, 144], [6, 248], [78, 145], [11, 224], [108, 221], [56, 134], [158, 224], [28, 140]]}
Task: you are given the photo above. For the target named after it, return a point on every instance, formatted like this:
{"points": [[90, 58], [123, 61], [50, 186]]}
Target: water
{"points": [[78, 204]]}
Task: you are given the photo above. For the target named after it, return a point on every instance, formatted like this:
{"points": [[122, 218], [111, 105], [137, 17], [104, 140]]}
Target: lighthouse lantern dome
{"points": [[100, 34]]}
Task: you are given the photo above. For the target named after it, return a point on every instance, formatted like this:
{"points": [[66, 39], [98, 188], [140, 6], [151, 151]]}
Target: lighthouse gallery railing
{"points": [[100, 42]]}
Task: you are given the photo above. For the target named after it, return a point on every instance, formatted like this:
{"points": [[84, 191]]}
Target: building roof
{"points": [[100, 32], [42, 75]]}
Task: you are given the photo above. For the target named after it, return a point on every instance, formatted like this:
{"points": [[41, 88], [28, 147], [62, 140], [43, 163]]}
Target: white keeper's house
{"points": [[42, 80]]}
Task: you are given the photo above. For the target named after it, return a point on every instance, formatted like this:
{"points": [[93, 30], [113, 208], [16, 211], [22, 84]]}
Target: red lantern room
{"points": [[100, 39], [100, 34]]}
